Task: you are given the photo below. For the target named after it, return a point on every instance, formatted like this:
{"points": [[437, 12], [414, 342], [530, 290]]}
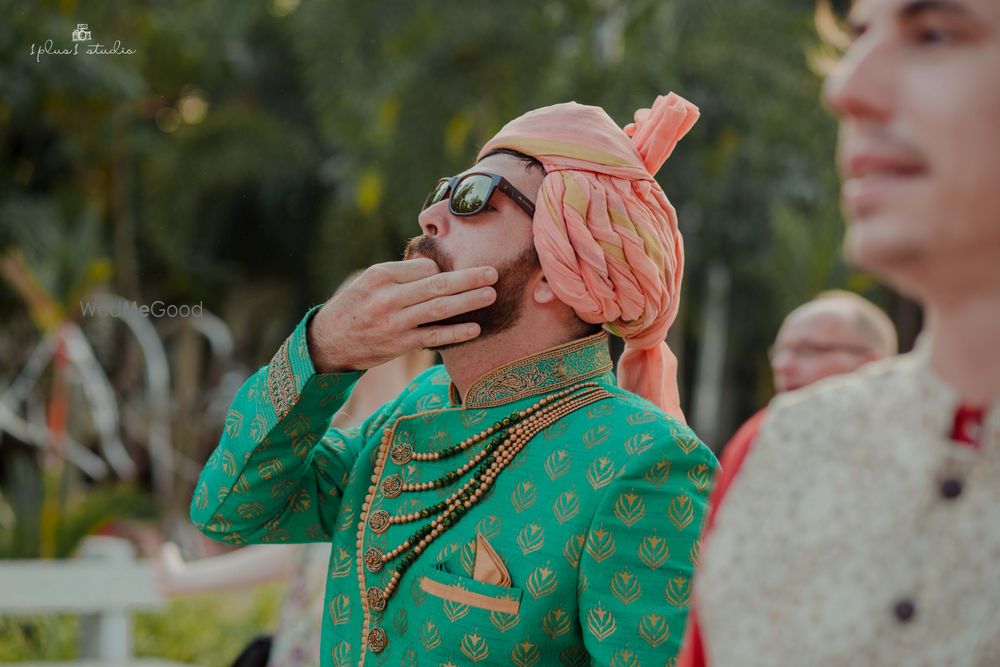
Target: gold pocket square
{"points": [[488, 568]]}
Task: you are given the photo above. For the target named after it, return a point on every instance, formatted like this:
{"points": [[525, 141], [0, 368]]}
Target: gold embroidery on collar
{"points": [[552, 369], [281, 382]]}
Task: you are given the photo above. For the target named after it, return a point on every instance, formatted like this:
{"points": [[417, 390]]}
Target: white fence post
{"points": [[107, 635]]}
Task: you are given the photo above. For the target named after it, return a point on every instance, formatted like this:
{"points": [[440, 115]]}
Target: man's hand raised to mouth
{"points": [[382, 314]]}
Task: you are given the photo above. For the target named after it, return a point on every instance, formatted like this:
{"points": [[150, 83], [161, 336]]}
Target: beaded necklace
{"points": [[512, 434], [403, 453]]}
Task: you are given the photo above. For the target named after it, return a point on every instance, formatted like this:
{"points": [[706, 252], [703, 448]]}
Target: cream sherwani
{"points": [[857, 533]]}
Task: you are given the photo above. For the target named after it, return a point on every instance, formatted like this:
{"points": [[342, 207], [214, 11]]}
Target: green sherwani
{"points": [[596, 520]]}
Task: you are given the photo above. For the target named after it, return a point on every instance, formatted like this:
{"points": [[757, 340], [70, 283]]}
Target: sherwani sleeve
{"points": [[641, 551], [279, 470]]}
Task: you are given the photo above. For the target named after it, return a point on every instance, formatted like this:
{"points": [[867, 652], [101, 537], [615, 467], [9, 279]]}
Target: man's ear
{"points": [[542, 292]]}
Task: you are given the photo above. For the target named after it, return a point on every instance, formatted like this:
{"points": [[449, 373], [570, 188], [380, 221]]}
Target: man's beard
{"points": [[505, 311]]}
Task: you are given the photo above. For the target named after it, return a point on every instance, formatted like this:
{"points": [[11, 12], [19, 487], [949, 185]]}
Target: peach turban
{"points": [[605, 233]]}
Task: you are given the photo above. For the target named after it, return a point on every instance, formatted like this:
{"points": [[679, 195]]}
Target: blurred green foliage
{"points": [[203, 630], [209, 630], [261, 151], [24, 509], [24, 638]]}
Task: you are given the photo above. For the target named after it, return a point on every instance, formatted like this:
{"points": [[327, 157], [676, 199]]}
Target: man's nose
{"points": [[861, 85], [783, 363], [433, 220]]}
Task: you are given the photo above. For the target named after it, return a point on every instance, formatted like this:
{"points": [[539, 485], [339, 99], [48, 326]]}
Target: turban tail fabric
{"points": [[606, 236]]}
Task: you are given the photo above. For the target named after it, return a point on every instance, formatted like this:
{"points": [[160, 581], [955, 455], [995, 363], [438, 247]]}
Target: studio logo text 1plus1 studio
{"points": [[82, 44]]}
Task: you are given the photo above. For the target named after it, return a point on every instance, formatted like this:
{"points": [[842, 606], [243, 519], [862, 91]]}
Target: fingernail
{"points": [[490, 273]]}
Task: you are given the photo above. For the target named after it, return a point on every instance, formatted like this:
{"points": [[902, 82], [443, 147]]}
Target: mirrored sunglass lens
{"points": [[471, 194], [437, 194]]}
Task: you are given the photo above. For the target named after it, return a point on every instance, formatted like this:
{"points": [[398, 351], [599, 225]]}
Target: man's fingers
{"points": [[442, 335], [446, 306], [380, 315], [405, 271], [445, 284]]}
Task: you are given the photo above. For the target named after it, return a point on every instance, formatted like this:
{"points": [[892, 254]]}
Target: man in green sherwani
{"points": [[513, 506]]}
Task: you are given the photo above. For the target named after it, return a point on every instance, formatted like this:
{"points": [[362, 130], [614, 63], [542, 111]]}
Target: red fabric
{"points": [[732, 458], [968, 426], [733, 454]]}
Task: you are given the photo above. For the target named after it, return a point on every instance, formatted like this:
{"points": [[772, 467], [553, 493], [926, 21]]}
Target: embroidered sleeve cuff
{"points": [[291, 369]]}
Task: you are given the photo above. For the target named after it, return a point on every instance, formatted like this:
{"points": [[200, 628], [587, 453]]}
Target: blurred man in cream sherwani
{"points": [[862, 528]]}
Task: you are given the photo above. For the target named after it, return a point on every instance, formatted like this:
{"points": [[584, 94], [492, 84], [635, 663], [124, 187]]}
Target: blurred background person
{"points": [[861, 529], [837, 332]]}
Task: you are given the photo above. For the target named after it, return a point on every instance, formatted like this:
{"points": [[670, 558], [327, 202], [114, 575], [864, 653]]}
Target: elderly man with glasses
{"points": [[516, 505], [837, 332]]}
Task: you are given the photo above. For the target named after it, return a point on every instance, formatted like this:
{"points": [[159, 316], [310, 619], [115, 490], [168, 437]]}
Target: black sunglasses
{"points": [[471, 191]]}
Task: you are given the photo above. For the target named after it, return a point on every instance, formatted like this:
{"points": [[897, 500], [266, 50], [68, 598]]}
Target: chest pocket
{"points": [[469, 620]]}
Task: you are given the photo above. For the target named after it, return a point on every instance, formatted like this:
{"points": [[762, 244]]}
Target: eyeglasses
{"points": [[815, 349], [471, 191]]}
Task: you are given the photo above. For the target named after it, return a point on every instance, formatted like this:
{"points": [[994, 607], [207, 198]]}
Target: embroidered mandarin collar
{"points": [[546, 371]]}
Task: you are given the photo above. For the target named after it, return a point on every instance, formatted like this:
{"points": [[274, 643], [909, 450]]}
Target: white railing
{"points": [[104, 585]]}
